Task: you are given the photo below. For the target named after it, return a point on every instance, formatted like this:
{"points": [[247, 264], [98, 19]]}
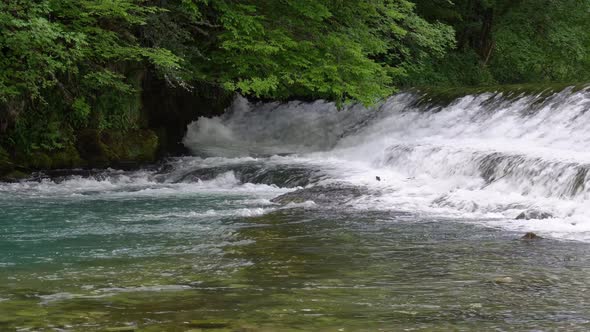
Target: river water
{"points": [[300, 217]]}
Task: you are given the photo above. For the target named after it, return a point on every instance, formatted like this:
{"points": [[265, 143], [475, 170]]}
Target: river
{"points": [[301, 217]]}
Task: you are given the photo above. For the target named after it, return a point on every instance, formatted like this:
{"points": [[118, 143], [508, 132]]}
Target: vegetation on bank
{"points": [[69, 68]]}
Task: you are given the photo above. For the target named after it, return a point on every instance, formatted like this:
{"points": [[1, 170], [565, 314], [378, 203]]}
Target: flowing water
{"points": [[301, 217]]}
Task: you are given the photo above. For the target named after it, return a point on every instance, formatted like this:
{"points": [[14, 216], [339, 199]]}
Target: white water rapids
{"points": [[482, 159]]}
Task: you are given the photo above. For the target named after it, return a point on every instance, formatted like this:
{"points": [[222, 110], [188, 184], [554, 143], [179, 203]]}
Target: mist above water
{"points": [[485, 157]]}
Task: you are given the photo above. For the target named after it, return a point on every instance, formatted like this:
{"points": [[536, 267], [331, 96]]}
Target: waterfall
{"points": [[486, 156]]}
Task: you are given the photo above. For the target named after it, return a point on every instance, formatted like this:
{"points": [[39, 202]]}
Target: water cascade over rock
{"points": [[484, 156]]}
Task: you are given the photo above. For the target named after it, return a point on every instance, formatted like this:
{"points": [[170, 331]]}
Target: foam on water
{"points": [[483, 159], [108, 292], [131, 185]]}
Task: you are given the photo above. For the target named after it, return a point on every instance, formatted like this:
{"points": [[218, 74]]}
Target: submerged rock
{"points": [[531, 236], [323, 194], [208, 324], [284, 176], [534, 214], [121, 329], [503, 280]]}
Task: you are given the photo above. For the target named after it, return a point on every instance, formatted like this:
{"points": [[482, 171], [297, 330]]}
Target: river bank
{"points": [[162, 114]]}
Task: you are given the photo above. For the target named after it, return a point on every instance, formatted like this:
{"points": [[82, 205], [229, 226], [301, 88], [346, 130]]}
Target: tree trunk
{"points": [[486, 41]]}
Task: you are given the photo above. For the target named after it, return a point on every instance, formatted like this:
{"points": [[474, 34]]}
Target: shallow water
{"points": [[93, 263], [198, 243]]}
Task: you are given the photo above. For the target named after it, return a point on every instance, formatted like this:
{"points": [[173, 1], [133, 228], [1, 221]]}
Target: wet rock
{"points": [[328, 194], [503, 280], [534, 214], [531, 236], [66, 158], [208, 324], [6, 164], [121, 329], [14, 176], [118, 148], [284, 176], [38, 160]]}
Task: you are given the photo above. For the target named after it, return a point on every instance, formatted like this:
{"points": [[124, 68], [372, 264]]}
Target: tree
{"points": [[339, 50]]}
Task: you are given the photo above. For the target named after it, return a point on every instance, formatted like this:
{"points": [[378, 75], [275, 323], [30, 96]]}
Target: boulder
{"points": [[208, 324], [322, 194], [531, 236], [14, 176], [66, 158], [117, 148], [6, 165], [503, 280], [534, 214]]}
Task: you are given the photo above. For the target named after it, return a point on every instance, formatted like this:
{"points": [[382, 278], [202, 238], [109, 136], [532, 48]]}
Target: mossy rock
{"points": [[6, 164], [117, 148], [44, 160], [135, 146], [121, 329], [91, 148], [37, 160], [66, 158], [14, 176], [209, 324]]}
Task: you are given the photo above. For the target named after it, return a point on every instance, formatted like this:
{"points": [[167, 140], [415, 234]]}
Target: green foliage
{"points": [[543, 41], [67, 66], [62, 57], [34, 49], [339, 50], [454, 69], [510, 41], [40, 129]]}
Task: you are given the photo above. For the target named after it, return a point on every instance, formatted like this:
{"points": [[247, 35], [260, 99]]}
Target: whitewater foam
{"points": [[484, 158]]}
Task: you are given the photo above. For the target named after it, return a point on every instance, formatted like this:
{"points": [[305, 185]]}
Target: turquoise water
{"points": [[88, 254], [300, 217]]}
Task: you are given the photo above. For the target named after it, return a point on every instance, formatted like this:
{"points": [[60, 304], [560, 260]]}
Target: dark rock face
{"points": [[169, 109], [283, 176], [117, 148], [531, 236], [534, 214], [94, 149], [6, 164], [324, 195]]}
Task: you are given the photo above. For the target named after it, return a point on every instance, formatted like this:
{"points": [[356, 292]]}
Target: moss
{"points": [[6, 164], [37, 160], [14, 176], [66, 158], [42, 160], [91, 149], [121, 329], [117, 148], [208, 324], [131, 147]]}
